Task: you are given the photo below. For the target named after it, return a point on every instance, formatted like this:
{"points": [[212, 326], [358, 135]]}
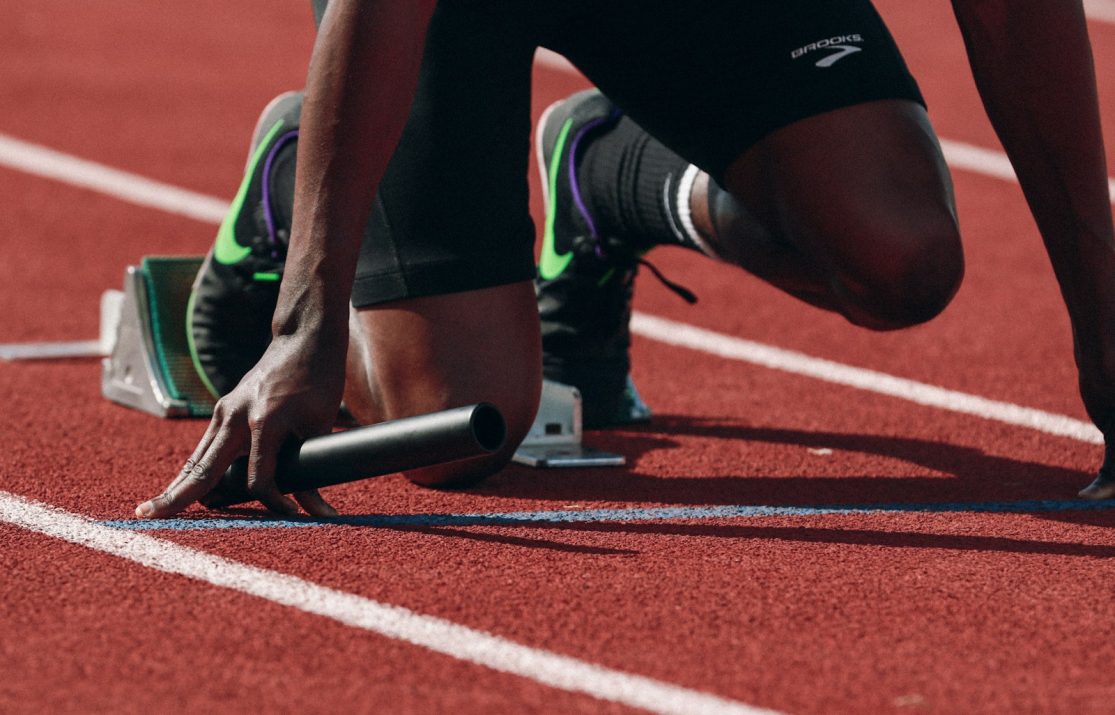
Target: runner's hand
{"points": [[293, 391], [1098, 390]]}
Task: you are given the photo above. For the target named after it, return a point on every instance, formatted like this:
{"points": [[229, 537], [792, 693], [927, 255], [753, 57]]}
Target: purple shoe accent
{"points": [[282, 141], [574, 185]]}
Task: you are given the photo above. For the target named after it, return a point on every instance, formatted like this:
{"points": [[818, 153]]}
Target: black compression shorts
{"points": [[708, 78]]}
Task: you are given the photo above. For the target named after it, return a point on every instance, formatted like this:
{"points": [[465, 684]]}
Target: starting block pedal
{"points": [[149, 367], [554, 439]]}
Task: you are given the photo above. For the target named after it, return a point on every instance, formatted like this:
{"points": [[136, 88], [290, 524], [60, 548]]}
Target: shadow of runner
{"points": [[855, 537], [508, 540], [975, 475], [962, 474], [474, 527]]}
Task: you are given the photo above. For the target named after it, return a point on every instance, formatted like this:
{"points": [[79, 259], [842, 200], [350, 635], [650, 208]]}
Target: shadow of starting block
{"points": [[149, 367]]}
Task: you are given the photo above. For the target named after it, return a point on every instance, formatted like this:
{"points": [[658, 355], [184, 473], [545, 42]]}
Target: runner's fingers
{"points": [[199, 452], [195, 483], [315, 504], [261, 471]]}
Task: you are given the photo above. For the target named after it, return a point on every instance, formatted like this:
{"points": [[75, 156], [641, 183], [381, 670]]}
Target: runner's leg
{"points": [[829, 182], [420, 355], [851, 211], [443, 307]]}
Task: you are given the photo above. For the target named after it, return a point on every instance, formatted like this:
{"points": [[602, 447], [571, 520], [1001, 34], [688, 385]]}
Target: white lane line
{"points": [[51, 164], [989, 162], [436, 634], [552, 60], [52, 351], [973, 158], [1101, 10], [732, 348]]}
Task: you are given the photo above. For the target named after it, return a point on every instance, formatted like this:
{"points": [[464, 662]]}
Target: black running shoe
{"points": [[228, 320], [585, 280]]}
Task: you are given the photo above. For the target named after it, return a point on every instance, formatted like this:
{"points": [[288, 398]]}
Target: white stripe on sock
{"points": [[685, 213]]}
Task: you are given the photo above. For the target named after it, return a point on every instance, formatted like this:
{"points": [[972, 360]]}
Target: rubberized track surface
{"points": [[975, 584]]}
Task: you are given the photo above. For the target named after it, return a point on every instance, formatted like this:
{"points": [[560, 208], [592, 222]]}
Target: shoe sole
{"points": [[539, 149], [276, 107], [637, 411], [540, 153]]}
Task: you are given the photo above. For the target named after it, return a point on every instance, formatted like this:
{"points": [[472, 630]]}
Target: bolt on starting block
{"points": [[149, 367]]}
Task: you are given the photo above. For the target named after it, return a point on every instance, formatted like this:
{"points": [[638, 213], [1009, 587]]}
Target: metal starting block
{"points": [[149, 368], [554, 439]]}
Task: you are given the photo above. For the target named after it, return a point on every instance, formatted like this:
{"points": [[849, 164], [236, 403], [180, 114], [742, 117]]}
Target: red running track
{"points": [[944, 612]]}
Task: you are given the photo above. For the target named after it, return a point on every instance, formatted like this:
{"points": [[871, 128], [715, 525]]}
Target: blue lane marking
{"points": [[604, 515]]}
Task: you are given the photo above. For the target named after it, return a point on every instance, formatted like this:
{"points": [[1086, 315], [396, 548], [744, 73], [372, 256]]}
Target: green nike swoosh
{"points": [[227, 250], [551, 263]]}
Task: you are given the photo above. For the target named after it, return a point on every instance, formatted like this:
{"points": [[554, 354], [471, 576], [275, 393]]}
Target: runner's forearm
{"points": [[1033, 64], [358, 94]]}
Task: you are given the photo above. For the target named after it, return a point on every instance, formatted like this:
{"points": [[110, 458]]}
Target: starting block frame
{"points": [[555, 437], [149, 368]]}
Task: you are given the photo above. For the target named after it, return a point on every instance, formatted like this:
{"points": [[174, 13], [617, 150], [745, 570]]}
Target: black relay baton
{"points": [[373, 451]]}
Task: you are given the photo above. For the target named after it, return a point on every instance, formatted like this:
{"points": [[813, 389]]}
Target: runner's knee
{"points": [[439, 352], [903, 282], [516, 399], [887, 262], [518, 404]]}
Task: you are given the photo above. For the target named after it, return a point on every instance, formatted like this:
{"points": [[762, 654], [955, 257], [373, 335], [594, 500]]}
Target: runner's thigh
{"points": [[711, 78]]}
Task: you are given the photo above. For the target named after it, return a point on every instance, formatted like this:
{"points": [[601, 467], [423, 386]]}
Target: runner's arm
{"points": [[359, 90], [1032, 61], [358, 95]]}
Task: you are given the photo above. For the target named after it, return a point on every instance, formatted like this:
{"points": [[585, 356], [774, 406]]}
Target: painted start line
{"points": [[518, 518]]}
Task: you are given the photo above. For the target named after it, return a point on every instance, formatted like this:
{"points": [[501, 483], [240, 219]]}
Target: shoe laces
{"points": [[619, 256], [681, 291]]}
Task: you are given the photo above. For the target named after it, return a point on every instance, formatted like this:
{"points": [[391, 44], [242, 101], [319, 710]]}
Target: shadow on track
{"points": [[961, 473]]}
